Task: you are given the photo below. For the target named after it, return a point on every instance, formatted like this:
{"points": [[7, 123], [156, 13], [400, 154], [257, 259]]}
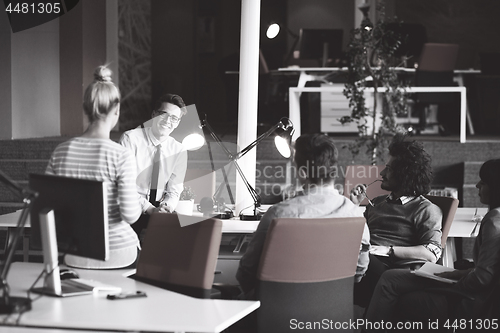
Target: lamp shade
{"points": [[272, 30], [193, 141], [282, 146], [283, 139]]}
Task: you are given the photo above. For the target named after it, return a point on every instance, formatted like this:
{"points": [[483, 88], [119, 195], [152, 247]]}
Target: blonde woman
{"points": [[94, 156]]}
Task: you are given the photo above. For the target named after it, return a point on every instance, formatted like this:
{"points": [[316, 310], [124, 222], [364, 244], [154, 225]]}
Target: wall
{"points": [[134, 51], [327, 14], [30, 81], [5, 78], [172, 40], [471, 24]]}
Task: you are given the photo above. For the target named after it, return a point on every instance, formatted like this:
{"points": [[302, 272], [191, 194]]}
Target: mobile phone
{"points": [[127, 294]]}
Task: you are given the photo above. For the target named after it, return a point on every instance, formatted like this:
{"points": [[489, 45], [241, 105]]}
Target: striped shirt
{"points": [[106, 161]]}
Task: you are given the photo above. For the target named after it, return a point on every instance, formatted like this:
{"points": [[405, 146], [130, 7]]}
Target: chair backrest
{"points": [[181, 259], [201, 181], [364, 174], [448, 207], [438, 57], [435, 69], [306, 271]]}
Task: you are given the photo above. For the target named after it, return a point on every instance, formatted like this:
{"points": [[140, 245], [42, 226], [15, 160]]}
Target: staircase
{"points": [[19, 158]]}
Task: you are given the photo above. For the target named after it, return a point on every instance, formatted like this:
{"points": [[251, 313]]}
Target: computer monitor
{"points": [[70, 216], [320, 44]]}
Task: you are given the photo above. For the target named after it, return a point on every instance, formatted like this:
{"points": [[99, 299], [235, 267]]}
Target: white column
{"points": [[248, 96], [112, 57]]}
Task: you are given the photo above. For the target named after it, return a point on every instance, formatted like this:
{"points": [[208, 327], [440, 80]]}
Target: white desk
{"points": [[461, 227], [9, 221], [294, 102], [160, 311], [320, 73]]}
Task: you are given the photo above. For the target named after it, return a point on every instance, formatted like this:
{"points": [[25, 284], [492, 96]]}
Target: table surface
{"points": [[461, 227], [335, 69], [228, 226], [463, 224], [160, 311]]}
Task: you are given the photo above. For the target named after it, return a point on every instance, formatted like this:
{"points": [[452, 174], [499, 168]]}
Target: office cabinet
{"points": [[334, 105], [232, 248]]}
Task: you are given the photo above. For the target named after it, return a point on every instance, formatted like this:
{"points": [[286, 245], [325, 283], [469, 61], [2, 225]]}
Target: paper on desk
{"points": [[99, 286], [429, 269]]}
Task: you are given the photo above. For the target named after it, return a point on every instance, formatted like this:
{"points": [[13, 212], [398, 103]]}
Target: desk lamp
{"points": [[10, 304], [272, 32], [283, 130]]}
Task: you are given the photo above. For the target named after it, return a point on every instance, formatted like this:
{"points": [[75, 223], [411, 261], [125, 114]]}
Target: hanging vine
{"points": [[372, 65]]}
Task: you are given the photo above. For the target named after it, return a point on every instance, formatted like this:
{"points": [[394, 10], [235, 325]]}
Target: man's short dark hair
{"points": [[317, 155], [411, 166], [172, 99]]}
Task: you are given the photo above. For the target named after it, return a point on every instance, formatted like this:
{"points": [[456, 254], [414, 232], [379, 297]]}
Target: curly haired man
{"points": [[404, 225]]}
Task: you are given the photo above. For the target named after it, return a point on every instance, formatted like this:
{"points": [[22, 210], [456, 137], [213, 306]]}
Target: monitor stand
{"points": [[324, 59], [53, 285]]}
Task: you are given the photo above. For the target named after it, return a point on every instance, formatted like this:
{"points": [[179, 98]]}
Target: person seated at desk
{"points": [[400, 289], [404, 225], [315, 160], [94, 156], [160, 159]]}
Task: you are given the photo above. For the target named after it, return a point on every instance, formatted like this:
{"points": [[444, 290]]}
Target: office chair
{"points": [[435, 69], [448, 206], [364, 174], [202, 182], [181, 259], [306, 271]]}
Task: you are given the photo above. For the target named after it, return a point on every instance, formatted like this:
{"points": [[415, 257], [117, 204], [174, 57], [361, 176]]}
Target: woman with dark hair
{"points": [[94, 156], [400, 291]]}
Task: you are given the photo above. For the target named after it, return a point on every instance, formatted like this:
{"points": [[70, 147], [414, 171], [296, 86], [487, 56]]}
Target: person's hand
{"points": [[380, 250], [454, 275], [164, 208], [358, 194], [161, 209]]}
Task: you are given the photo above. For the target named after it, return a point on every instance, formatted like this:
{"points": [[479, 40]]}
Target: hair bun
{"points": [[102, 74]]}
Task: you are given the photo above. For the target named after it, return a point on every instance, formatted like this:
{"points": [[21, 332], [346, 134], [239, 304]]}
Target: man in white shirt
{"points": [[316, 161], [160, 159]]}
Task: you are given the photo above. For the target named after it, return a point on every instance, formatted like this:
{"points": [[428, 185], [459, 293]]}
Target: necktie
{"points": [[154, 176]]}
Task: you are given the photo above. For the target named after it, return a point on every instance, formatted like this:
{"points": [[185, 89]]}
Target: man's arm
{"points": [[146, 206], [175, 185], [429, 221], [414, 252], [363, 257]]}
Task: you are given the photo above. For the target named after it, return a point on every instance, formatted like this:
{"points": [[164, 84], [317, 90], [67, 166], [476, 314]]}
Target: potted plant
{"points": [[372, 65], [186, 201]]}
